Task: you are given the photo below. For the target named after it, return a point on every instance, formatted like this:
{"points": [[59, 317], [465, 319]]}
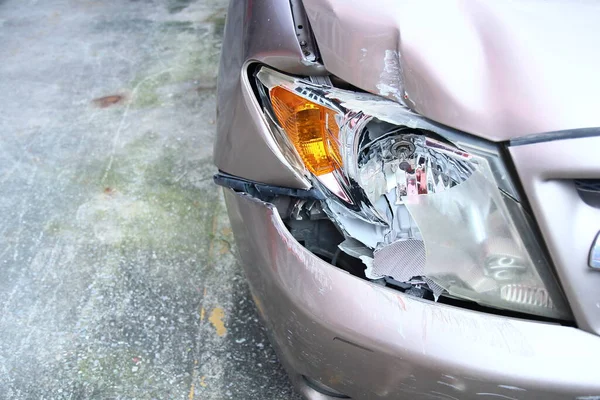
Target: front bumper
{"points": [[368, 341]]}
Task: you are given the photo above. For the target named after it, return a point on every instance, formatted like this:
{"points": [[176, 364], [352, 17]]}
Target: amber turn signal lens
{"points": [[311, 128]]}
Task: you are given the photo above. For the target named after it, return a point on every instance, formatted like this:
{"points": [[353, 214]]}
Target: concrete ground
{"points": [[117, 274]]}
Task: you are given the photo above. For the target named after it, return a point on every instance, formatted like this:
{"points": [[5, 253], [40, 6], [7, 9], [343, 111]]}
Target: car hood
{"points": [[496, 69]]}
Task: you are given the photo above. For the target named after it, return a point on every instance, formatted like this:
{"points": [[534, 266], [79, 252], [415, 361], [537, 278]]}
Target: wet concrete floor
{"points": [[117, 274]]}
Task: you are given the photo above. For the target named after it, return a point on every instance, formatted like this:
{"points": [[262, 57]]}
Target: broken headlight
{"points": [[418, 203]]}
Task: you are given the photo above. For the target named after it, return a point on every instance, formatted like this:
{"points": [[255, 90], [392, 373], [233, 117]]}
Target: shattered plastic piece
{"points": [[404, 260], [354, 227], [368, 261], [416, 291], [356, 249], [401, 260], [436, 289], [473, 250]]}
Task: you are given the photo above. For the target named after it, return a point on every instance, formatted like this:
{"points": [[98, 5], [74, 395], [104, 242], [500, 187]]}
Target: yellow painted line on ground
{"points": [[216, 319], [202, 310]]}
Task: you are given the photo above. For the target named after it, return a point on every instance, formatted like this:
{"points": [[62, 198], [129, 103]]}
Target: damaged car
{"points": [[414, 191]]}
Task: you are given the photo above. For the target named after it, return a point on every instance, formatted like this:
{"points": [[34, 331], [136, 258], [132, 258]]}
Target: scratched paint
{"points": [[390, 80], [496, 395], [459, 387], [508, 387]]}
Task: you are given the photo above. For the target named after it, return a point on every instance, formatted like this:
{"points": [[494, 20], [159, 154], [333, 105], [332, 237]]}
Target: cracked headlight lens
{"points": [[421, 203]]}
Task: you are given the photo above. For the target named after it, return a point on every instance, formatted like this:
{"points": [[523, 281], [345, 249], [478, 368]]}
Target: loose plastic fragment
{"points": [[356, 249], [401, 260]]}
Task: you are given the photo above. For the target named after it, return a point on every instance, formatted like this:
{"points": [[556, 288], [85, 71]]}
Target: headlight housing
{"points": [[417, 202]]}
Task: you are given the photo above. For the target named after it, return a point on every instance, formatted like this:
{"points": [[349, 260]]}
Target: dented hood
{"points": [[496, 69]]}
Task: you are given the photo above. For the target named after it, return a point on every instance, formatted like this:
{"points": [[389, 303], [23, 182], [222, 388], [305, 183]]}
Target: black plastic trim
{"points": [[558, 135], [263, 191]]}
